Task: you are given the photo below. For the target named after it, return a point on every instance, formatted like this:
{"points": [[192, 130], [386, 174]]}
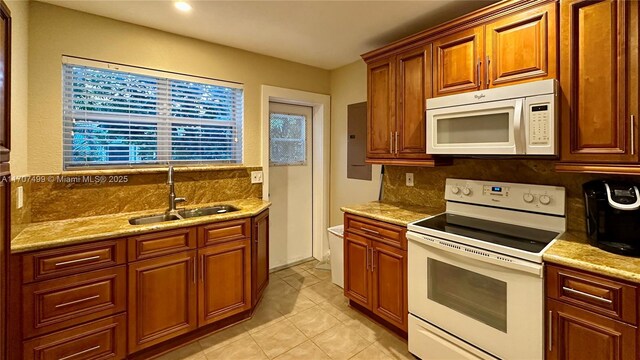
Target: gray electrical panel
{"points": [[357, 142]]}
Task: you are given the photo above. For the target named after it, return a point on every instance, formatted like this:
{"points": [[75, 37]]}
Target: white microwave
{"points": [[511, 120]]}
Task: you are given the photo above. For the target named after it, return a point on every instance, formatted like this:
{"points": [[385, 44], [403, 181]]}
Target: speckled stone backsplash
{"points": [[74, 198], [430, 182]]}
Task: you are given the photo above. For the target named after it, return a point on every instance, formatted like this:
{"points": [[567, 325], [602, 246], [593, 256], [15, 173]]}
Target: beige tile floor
{"points": [[301, 316]]}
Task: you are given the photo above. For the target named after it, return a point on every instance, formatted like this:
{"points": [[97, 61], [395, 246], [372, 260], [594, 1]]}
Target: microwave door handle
{"points": [[519, 127]]}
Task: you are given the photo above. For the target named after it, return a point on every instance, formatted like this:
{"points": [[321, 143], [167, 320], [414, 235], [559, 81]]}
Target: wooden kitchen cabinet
{"points": [[457, 62], [589, 316], [162, 299], [259, 256], [599, 81], [224, 288], [389, 286], [581, 334], [522, 47], [375, 268], [381, 120]]}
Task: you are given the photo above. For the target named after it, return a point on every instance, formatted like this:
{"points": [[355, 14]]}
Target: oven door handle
{"points": [[472, 253]]}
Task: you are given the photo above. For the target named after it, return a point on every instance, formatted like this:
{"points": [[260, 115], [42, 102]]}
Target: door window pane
{"points": [[480, 297], [287, 139], [478, 129]]}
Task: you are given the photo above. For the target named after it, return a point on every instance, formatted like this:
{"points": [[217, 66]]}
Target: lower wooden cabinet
{"points": [[260, 256], [224, 288], [102, 339], [580, 334], [375, 272], [162, 299]]}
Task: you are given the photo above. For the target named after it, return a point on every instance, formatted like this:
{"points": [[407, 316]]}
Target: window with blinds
{"points": [[116, 116]]}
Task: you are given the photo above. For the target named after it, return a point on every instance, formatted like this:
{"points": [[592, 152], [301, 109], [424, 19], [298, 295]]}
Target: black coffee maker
{"points": [[613, 216]]}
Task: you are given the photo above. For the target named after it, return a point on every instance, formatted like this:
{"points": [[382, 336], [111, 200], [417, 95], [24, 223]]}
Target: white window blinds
{"points": [[117, 115]]}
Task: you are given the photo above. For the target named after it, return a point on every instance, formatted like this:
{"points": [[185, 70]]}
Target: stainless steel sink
{"points": [[153, 219], [210, 210], [184, 214]]}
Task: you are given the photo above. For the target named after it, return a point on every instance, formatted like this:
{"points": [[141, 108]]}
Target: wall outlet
{"points": [[20, 198], [409, 177], [256, 177]]}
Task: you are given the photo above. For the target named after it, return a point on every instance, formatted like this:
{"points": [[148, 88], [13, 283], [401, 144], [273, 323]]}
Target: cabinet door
{"points": [[381, 122], [599, 80], [457, 62], [389, 290], [260, 256], [580, 334], [162, 299], [522, 47], [225, 280], [414, 87], [357, 273]]}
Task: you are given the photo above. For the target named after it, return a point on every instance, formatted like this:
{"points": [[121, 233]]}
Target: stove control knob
{"points": [[455, 190], [466, 191], [545, 199], [528, 198]]}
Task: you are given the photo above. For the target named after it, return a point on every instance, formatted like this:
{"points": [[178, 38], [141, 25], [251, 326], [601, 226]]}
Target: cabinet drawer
{"points": [[387, 233], [161, 243], [59, 303], [224, 231], [102, 339], [601, 295], [70, 260]]}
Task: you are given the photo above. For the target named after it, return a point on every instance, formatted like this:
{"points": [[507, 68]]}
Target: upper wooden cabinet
{"points": [[522, 47], [398, 87], [457, 65], [599, 80]]}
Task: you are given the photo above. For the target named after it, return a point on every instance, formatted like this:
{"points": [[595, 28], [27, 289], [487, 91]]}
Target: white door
{"points": [[290, 183]]}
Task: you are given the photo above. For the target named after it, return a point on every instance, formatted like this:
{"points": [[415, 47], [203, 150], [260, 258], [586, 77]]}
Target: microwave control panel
{"points": [[539, 118]]}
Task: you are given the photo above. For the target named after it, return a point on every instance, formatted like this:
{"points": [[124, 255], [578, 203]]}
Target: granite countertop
{"points": [[573, 250], [49, 234], [395, 213]]}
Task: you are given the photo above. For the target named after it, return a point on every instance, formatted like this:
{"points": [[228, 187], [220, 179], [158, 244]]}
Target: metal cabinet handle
{"points": [[369, 231], [368, 267], [396, 142], [590, 296], [487, 71], [550, 330], [373, 259], [77, 301], [478, 74], [78, 260], [633, 135], [391, 142], [80, 353]]}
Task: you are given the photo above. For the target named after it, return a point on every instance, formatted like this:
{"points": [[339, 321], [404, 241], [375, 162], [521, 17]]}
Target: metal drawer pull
{"points": [[478, 74], [80, 353], [594, 297], [396, 142], [78, 260], [550, 330], [77, 301], [370, 231], [487, 71]]}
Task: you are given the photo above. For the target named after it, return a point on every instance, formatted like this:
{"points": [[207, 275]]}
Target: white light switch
{"points": [[409, 177], [256, 177], [20, 198]]}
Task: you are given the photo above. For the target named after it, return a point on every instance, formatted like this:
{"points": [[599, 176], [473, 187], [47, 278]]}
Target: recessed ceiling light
{"points": [[182, 6]]}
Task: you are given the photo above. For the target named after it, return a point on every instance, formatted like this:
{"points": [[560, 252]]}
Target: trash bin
{"points": [[336, 252]]}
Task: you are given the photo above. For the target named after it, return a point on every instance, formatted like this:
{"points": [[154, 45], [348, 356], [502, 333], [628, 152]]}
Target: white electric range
{"points": [[476, 287]]}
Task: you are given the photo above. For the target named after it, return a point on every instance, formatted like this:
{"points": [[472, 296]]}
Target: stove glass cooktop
{"points": [[513, 236]]}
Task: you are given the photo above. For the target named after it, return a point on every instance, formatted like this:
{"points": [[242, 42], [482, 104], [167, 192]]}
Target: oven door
{"points": [[492, 128], [496, 308]]}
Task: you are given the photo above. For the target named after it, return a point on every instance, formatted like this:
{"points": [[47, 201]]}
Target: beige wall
{"points": [[56, 31], [19, 80], [348, 86]]}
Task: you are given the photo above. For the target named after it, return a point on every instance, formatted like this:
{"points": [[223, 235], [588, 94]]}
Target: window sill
{"points": [[153, 170]]}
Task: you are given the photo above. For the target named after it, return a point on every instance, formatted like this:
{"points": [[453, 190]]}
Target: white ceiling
{"points": [[325, 34]]}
